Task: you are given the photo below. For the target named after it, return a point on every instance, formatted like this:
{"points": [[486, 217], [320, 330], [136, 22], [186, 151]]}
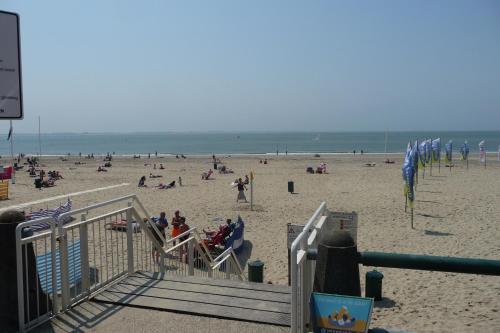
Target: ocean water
{"points": [[236, 143]]}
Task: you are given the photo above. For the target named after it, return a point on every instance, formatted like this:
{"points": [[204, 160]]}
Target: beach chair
{"points": [[236, 238], [44, 269]]}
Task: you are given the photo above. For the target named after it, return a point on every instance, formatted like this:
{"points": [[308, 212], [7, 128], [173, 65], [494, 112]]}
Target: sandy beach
{"points": [[456, 214]]}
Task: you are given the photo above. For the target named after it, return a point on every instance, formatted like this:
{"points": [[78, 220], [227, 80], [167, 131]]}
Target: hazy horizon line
{"points": [[253, 132]]}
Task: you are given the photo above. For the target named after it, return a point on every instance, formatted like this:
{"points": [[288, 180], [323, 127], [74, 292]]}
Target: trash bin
{"points": [[373, 286], [256, 271], [290, 186]]}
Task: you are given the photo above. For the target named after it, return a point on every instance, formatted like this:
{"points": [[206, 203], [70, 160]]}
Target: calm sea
{"points": [[236, 143]]}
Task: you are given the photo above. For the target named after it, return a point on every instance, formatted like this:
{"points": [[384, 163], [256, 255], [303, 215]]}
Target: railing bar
{"points": [[95, 258], [96, 218], [101, 269], [111, 248], [106, 251], [178, 245], [142, 247], [180, 235], [27, 287], [33, 238], [35, 250], [102, 204], [123, 250], [46, 276]]}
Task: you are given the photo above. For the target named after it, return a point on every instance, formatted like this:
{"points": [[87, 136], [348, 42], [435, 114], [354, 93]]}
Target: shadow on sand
{"points": [[245, 254], [436, 233], [384, 303]]}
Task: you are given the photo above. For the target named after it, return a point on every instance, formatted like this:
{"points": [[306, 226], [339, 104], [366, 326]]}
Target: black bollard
{"points": [[337, 270], [8, 279]]}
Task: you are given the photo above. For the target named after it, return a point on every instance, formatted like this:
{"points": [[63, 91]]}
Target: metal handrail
{"points": [[179, 245]]}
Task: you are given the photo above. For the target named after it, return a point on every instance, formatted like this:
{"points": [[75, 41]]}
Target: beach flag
{"points": [[428, 150], [436, 149], [409, 173], [10, 132], [464, 150], [482, 152], [449, 151], [422, 156], [414, 153]]}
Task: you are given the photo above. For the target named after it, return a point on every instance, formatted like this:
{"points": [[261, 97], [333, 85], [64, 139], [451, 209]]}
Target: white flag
{"points": [[482, 152]]}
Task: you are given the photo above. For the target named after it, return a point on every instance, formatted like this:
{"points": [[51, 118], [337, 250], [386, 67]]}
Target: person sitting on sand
{"points": [[241, 191], [161, 166], [206, 175], [265, 161], [162, 186], [100, 168], [142, 182], [48, 183]]}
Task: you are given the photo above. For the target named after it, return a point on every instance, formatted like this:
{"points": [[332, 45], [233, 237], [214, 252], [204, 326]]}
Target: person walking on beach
{"points": [[241, 191]]}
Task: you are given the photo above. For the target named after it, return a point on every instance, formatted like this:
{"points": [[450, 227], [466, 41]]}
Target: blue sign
{"points": [[340, 314]]}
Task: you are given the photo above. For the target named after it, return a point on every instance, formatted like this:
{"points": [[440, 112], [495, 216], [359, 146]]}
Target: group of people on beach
{"points": [[179, 227]]}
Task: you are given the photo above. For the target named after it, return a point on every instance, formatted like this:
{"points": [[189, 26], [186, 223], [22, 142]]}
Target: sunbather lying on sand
{"points": [[154, 176], [162, 186]]}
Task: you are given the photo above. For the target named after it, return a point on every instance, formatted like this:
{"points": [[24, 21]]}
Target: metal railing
{"points": [[77, 260], [302, 270]]}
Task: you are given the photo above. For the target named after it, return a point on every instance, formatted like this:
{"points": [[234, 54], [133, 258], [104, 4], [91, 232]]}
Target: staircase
{"points": [[227, 299]]}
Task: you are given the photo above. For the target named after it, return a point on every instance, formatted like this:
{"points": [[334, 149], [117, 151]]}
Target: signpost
{"points": [[11, 97], [346, 222]]}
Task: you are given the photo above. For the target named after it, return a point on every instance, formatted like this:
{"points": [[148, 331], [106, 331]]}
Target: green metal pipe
{"points": [[430, 263]]}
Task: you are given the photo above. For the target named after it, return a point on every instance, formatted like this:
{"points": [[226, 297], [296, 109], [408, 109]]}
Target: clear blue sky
{"points": [[259, 65]]}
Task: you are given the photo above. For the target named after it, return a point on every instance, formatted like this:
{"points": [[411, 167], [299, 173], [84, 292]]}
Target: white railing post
{"points": [[228, 268], [130, 240], [84, 255], [53, 251], [190, 258], [63, 250]]}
